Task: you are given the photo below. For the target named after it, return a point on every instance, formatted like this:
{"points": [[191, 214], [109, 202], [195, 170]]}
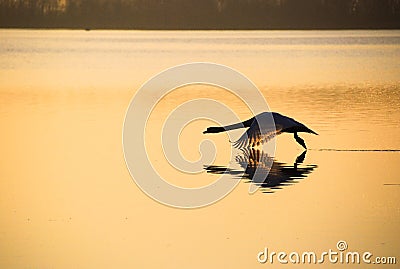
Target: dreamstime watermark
{"points": [[339, 255], [146, 99]]}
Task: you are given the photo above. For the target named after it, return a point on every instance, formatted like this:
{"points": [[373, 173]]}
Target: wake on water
{"points": [[363, 150]]}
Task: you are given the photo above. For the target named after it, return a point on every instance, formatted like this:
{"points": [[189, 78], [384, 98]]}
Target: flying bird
{"points": [[255, 136]]}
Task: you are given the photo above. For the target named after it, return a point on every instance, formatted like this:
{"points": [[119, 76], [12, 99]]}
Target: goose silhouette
{"points": [[255, 136]]}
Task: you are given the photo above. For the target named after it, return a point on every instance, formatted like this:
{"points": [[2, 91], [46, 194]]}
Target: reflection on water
{"points": [[274, 174]]}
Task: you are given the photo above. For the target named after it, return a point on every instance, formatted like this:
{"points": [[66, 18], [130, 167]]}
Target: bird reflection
{"points": [[267, 173]]}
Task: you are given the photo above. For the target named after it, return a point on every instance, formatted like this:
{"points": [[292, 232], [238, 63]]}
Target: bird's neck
{"points": [[234, 126]]}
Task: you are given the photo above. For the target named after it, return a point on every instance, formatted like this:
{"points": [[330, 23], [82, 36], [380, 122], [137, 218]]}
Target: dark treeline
{"points": [[200, 14]]}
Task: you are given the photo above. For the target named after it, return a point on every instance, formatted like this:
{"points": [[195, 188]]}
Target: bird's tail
{"points": [[310, 131]]}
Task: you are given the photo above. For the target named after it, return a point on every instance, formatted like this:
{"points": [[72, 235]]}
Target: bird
{"points": [[254, 136]]}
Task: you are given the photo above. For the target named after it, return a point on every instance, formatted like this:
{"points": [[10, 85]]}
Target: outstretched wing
{"points": [[254, 136]]}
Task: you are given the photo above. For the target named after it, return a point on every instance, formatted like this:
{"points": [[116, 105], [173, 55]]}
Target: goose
{"points": [[254, 137]]}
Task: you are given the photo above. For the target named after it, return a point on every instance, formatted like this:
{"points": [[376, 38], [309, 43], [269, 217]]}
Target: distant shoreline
{"points": [[201, 15], [199, 29]]}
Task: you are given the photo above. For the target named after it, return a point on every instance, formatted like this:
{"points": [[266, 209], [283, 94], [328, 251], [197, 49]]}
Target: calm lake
{"points": [[67, 199]]}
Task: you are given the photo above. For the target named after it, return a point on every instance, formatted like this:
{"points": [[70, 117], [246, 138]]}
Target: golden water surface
{"points": [[67, 199]]}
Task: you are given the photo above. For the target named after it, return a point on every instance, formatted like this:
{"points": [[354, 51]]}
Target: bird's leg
{"points": [[301, 157], [300, 141]]}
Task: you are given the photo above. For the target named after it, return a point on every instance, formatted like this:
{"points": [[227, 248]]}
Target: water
{"points": [[67, 199]]}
